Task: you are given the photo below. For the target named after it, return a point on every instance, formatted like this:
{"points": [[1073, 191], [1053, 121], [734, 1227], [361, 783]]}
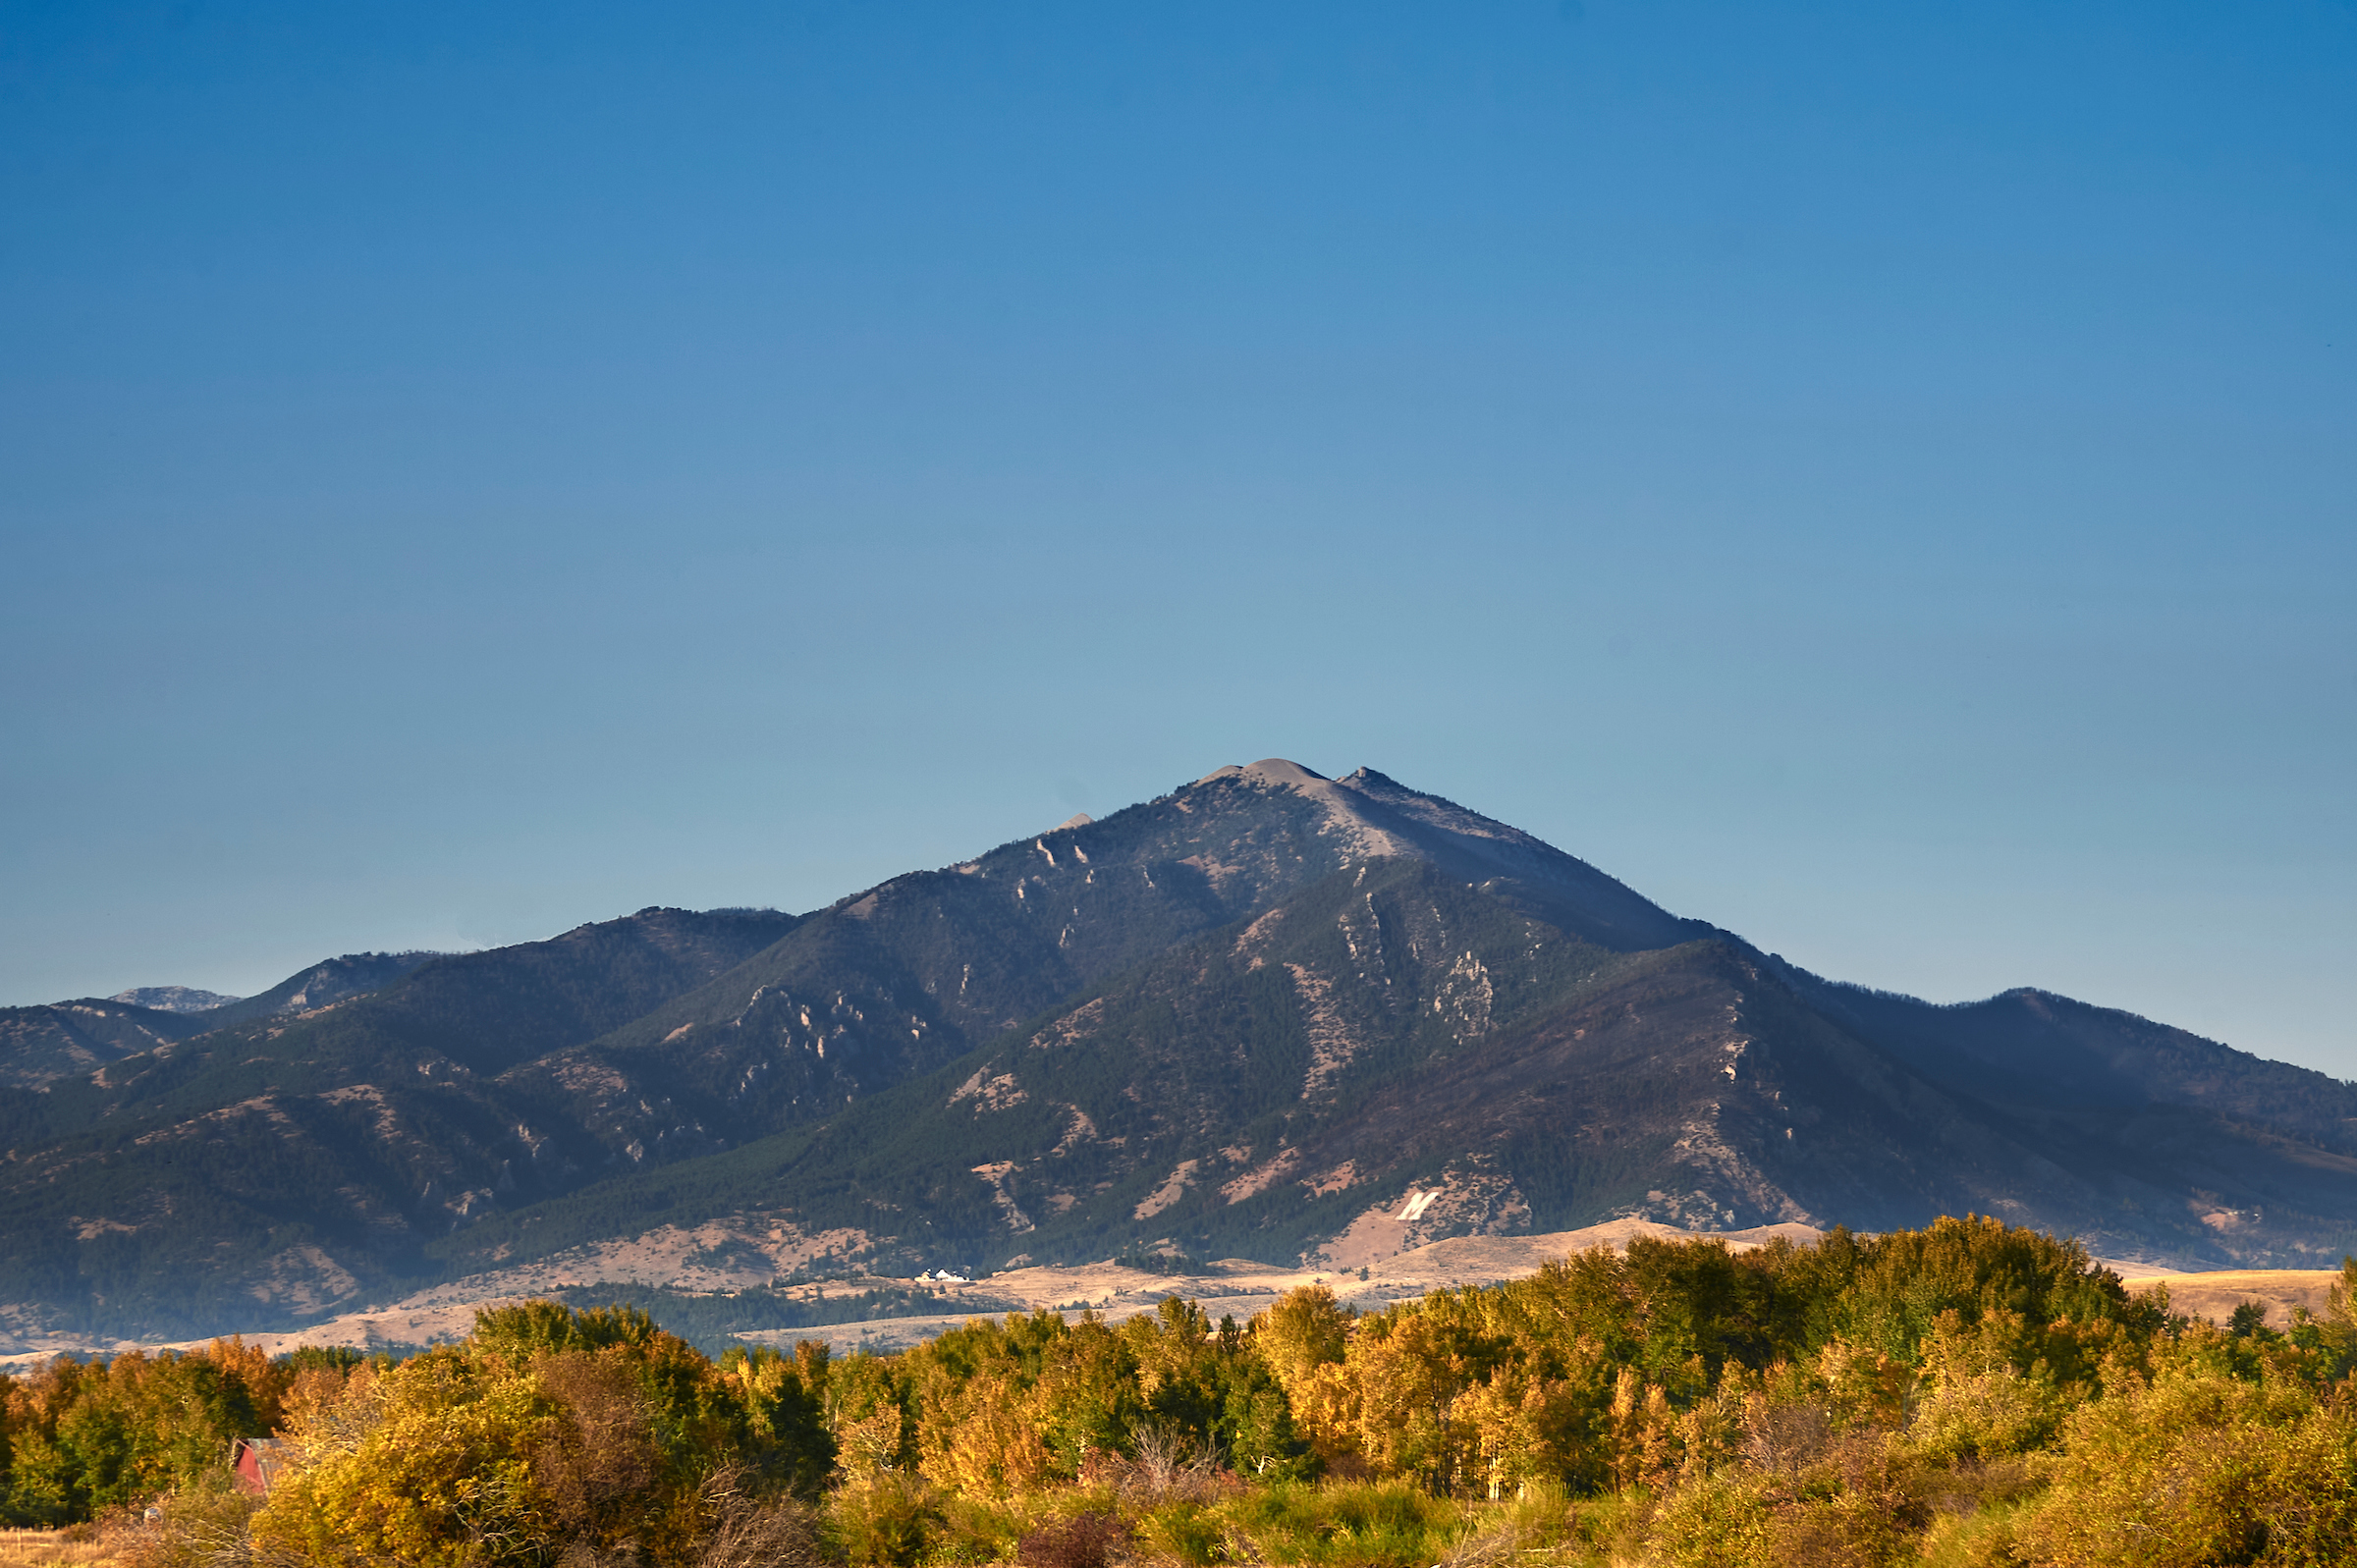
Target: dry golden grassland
{"points": [[76, 1547], [2215, 1293]]}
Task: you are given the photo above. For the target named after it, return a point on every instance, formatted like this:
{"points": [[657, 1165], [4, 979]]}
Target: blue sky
{"points": [[1879, 478]]}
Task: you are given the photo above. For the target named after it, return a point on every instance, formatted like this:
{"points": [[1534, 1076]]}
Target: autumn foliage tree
{"points": [[1971, 1391], [546, 1431], [82, 1439]]}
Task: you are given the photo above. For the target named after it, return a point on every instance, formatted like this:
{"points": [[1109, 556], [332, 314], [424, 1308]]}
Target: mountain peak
{"points": [[174, 999], [1345, 814], [1369, 815], [1278, 771]]}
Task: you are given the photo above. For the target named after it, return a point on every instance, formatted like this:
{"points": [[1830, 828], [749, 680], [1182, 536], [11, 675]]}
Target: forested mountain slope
{"points": [[322, 984], [293, 1162], [1269, 1013], [1392, 1057]]}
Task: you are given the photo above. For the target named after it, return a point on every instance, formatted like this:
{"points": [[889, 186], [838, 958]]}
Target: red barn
{"points": [[255, 1462]]}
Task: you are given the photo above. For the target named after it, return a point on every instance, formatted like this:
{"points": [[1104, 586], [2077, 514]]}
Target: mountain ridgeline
{"points": [[1268, 1014]]}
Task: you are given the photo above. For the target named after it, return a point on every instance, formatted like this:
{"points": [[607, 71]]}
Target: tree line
{"points": [[1965, 1393]]}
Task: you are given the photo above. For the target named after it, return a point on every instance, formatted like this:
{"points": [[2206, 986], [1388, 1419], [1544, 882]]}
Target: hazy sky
{"points": [[1879, 478]]}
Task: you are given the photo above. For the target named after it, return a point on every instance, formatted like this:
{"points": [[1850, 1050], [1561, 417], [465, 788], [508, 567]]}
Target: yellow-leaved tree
{"points": [[545, 1431]]}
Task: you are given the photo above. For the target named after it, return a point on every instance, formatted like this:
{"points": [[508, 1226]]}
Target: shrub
{"points": [[1085, 1541], [1188, 1533], [744, 1532], [2202, 1467], [1374, 1523], [200, 1525], [1719, 1521], [890, 1517]]}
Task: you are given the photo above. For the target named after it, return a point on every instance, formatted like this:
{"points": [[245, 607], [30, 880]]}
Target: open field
{"points": [[1241, 1287], [79, 1547], [2214, 1295], [1235, 1285]]}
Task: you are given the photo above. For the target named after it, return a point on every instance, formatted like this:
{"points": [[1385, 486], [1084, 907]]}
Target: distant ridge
{"points": [[332, 979], [174, 999], [42, 1044]]}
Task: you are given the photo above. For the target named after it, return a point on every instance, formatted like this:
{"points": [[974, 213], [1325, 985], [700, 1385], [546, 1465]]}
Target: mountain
{"points": [[70, 1039], [1269, 1013], [333, 980], [61, 1038], [174, 999]]}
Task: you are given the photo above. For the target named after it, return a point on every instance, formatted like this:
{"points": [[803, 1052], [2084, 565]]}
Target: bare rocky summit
{"points": [[174, 999]]}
